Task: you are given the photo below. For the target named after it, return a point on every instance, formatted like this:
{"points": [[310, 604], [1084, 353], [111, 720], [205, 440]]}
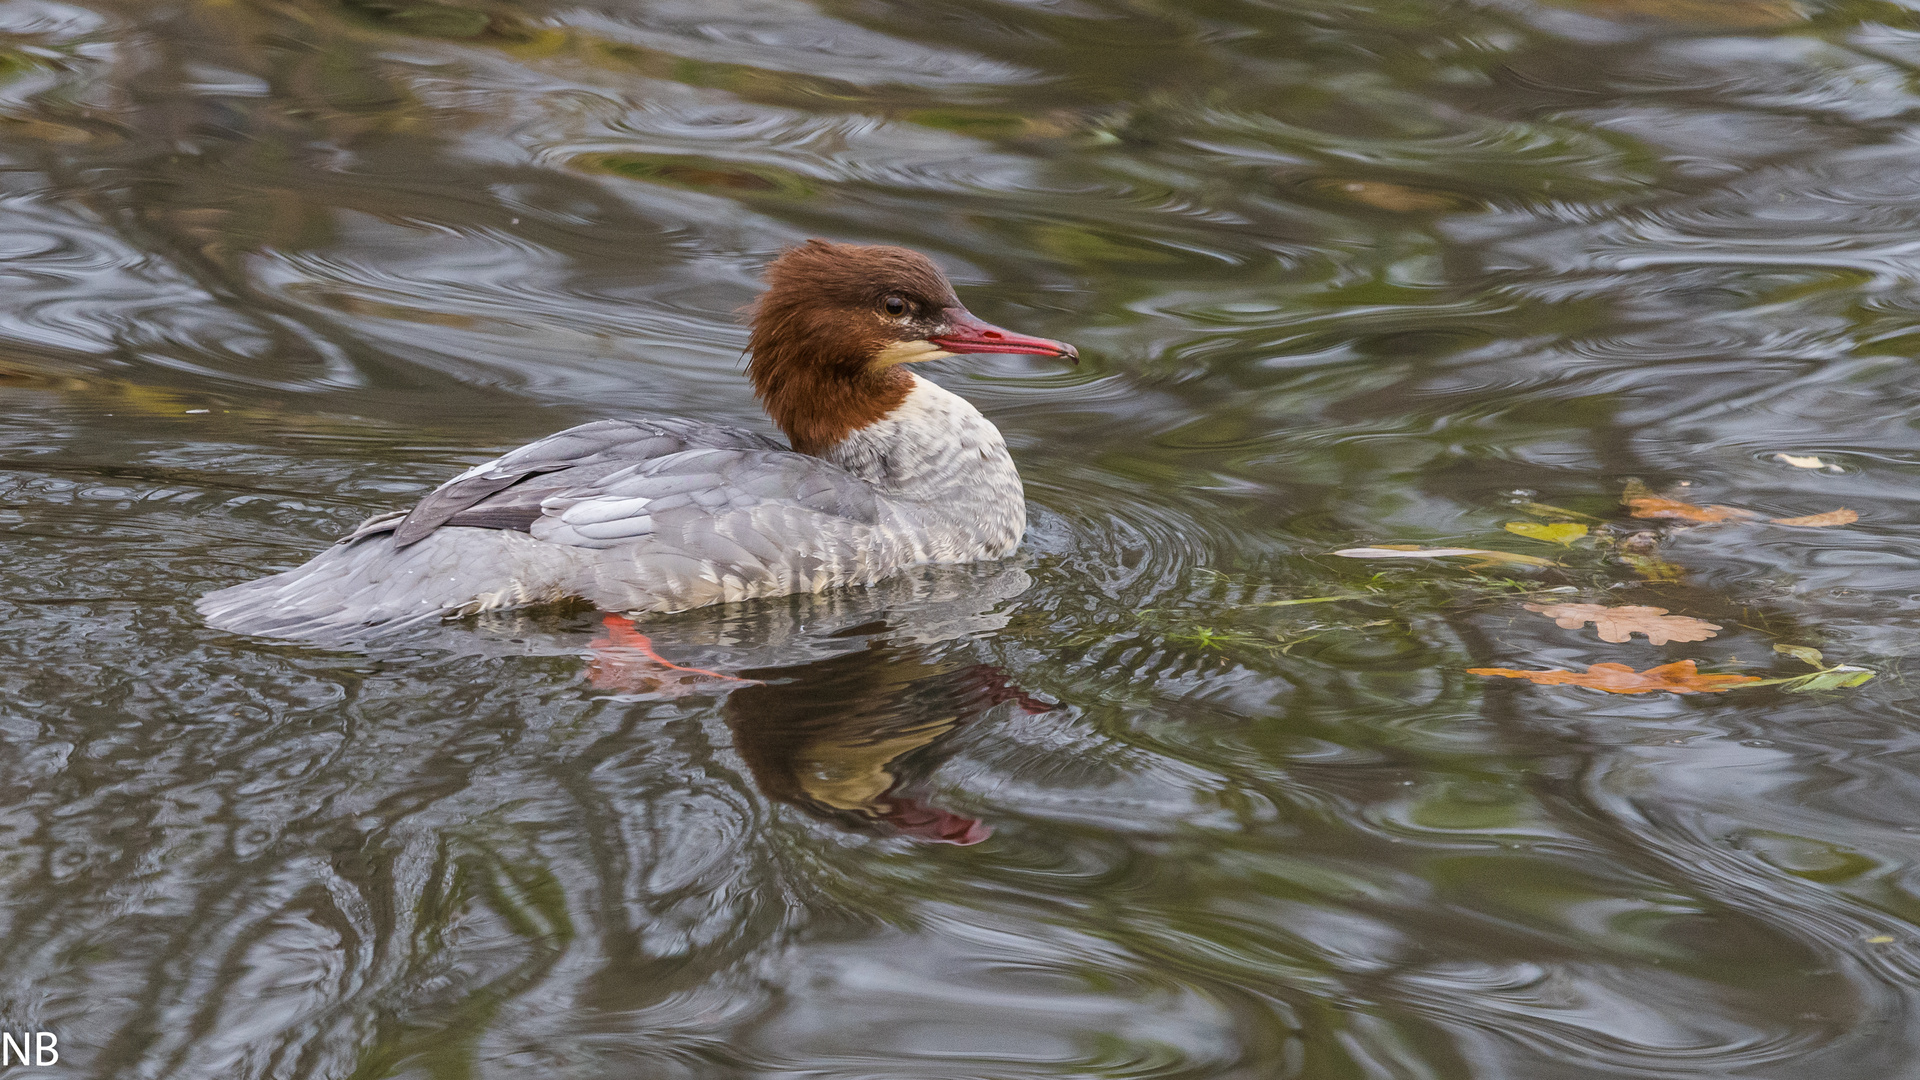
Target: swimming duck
{"points": [[885, 471]]}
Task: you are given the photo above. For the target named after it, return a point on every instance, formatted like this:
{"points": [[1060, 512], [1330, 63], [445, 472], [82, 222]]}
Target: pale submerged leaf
{"points": [[1821, 521], [1803, 652], [1412, 551]]}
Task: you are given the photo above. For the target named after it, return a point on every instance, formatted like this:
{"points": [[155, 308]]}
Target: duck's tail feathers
{"points": [[363, 588]]}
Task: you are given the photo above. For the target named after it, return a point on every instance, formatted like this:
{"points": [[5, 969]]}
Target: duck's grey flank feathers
{"points": [[354, 585], [505, 493], [687, 528]]}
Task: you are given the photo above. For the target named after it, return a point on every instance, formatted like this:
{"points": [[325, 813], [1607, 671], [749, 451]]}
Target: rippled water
{"points": [[1343, 273]]}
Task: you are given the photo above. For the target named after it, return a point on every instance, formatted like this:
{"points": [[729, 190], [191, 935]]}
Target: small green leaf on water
{"points": [[1802, 652], [1652, 568], [1545, 510], [1880, 939], [1307, 600], [1838, 678], [1562, 532]]}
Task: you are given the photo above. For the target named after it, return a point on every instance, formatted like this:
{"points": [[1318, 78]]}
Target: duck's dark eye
{"points": [[895, 305]]}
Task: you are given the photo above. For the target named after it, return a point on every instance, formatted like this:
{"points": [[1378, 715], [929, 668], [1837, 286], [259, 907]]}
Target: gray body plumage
{"points": [[657, 516]]}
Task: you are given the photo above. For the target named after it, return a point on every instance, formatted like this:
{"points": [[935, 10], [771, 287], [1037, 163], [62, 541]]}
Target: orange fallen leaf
{"points": [[1643, 503], [1619, 624], [1652, 506], [1679, 677], [1820, 521]]}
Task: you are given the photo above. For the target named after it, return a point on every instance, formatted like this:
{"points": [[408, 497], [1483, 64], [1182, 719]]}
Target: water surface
{"points": [[1343, 273]]}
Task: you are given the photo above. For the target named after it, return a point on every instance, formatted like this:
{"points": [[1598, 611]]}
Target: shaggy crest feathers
{"points": [[819, 327]]}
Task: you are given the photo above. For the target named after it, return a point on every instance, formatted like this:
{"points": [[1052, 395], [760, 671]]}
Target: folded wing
{"points": [[629, 515], [713, 525], [506, 493]]}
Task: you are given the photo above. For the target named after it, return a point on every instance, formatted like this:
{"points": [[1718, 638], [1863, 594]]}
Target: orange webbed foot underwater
{"points": [[625, 661]]}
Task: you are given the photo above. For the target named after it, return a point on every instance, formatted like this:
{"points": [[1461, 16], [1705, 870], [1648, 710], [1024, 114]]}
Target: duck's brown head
{"points": [[837, 322]]}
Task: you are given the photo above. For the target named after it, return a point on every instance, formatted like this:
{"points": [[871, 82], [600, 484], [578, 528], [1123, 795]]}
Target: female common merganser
{"points": [[886, 471]]}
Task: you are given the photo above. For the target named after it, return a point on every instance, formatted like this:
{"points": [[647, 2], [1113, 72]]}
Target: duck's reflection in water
{"points": [[854, 739], [841, 705]]}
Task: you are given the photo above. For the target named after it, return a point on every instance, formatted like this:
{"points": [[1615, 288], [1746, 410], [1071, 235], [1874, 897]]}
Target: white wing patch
{"points": [[602, 520]]}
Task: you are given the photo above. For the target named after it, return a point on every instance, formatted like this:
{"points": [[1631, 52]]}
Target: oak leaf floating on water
{"points": [[1415, 551], [1563, 533], [1679, 677], [1820, 521], [1619, 624]]}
